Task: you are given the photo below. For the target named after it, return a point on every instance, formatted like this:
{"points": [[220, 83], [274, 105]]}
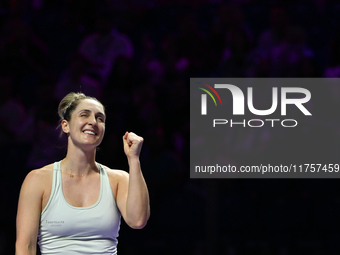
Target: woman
{"points": [[74, 205]]}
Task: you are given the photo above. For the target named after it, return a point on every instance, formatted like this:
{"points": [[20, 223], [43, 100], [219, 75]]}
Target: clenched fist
{"points": [[132, 144]]}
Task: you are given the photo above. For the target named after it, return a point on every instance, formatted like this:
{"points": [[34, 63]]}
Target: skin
{"points": [[129, 189]]}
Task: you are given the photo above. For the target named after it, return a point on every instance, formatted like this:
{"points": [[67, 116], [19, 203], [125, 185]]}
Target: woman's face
{"points": [[87, 124]]}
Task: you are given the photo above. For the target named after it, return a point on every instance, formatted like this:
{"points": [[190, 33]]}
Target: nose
{"points": [[92, 120]]}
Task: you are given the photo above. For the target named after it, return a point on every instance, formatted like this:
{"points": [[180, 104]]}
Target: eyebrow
{"points": [[89, 111]]}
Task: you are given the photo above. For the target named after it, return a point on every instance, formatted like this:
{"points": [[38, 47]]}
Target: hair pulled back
{"points": [[69, 103]]}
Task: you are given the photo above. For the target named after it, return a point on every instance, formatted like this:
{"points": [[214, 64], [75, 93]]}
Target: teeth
{"points": [[89, 132]]}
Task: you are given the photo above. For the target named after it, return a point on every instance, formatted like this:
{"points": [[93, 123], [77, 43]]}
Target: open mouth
{"points": [[89, 132]]}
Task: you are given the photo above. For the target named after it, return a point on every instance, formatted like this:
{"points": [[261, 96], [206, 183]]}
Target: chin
{"points": [[89, 147]]}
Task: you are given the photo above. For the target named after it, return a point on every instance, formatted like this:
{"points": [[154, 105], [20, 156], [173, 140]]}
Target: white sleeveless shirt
{"points": [[65, 229]]}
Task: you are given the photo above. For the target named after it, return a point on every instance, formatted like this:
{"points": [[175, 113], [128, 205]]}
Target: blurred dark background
{"points": [[137, 58]]}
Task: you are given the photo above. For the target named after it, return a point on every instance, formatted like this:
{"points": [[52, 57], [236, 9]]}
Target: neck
{"points": [[78, 161]]}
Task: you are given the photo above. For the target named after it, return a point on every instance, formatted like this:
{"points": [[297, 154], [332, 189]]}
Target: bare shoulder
{"points": [[39, 177], [115, 174], [117, 178], [36, 185], [41, 172]]}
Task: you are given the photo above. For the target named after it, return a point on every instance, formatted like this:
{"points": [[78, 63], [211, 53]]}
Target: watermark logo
{"points": [[238, 100], [204, 98], [295, 96]]}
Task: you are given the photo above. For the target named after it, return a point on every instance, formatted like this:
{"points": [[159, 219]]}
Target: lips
{"points": [[91, 132]]}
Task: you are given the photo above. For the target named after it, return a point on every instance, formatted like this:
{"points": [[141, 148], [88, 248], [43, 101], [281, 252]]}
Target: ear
{"points": [[65, 126]]}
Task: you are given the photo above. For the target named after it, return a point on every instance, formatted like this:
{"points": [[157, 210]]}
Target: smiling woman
{"points": [[83, 116], [69, 103], [74, 206]]}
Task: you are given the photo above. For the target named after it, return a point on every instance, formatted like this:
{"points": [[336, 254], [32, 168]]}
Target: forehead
{"points": [[90, 104]]}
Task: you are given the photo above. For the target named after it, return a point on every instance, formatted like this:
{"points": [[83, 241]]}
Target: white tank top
{"points": [[65, 229]]}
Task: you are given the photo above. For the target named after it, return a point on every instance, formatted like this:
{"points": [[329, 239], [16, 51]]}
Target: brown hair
{"points": [[69, 103]]}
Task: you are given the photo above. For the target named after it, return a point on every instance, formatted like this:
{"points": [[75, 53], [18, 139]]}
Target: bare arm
{"points": [[28, 215], [132, 193]]}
